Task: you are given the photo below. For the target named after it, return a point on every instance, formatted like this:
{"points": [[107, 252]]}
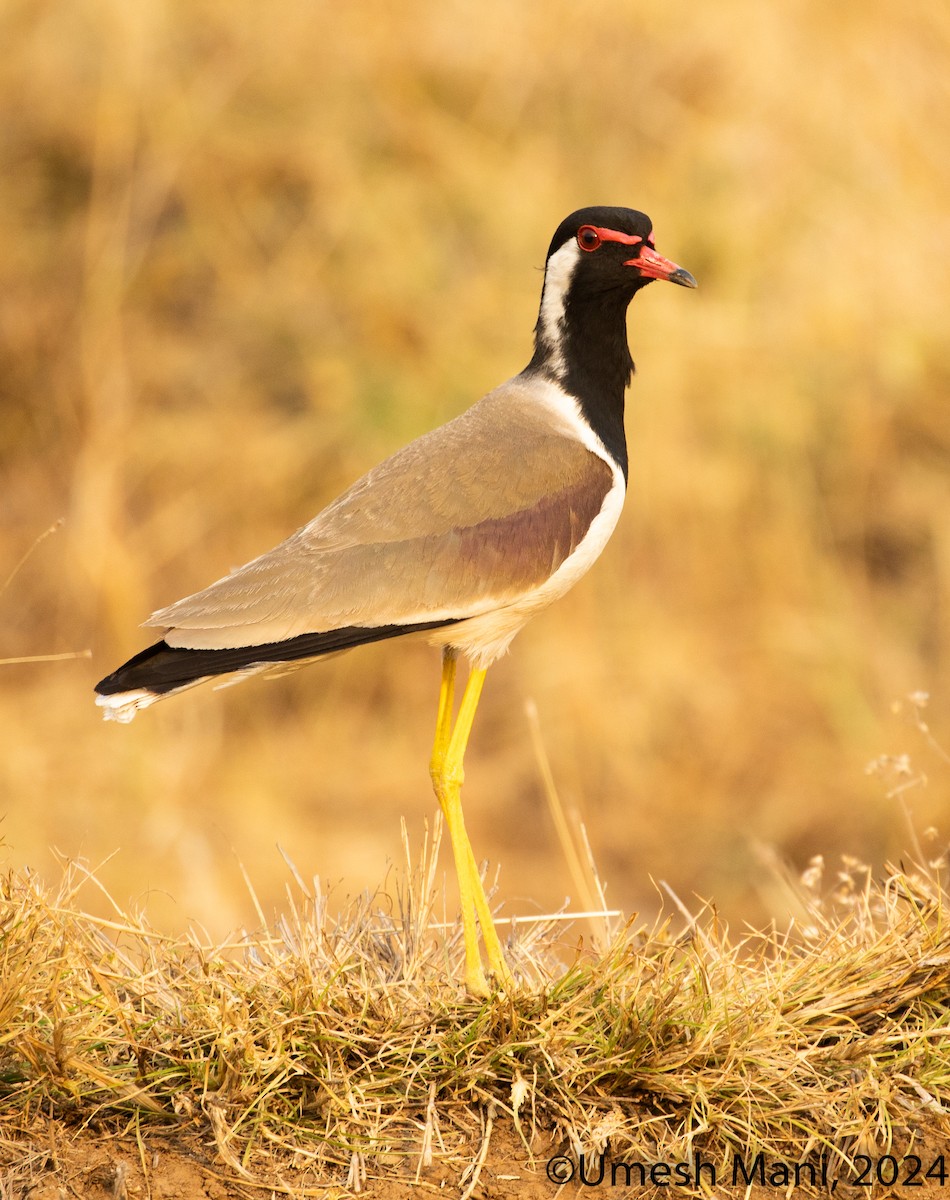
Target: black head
{"points": [[599, 259], [616, 250]]}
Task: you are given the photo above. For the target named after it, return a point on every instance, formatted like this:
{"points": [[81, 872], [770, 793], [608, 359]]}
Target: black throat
{"points": [[589, 358]]}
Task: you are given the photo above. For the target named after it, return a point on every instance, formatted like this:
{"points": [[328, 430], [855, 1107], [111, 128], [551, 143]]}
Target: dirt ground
{"points": [[167, 1168], [56, 1163]]}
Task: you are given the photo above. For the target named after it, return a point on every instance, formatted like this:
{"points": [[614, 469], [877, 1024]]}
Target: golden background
{"points": [[247, 250]]}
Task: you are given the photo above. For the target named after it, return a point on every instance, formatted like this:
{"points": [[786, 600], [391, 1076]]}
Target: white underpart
{"points": [[485, 637], [557, 281]]}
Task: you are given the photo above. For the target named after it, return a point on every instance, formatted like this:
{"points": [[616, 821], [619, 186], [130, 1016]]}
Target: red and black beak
{"points": [[654, 266]]}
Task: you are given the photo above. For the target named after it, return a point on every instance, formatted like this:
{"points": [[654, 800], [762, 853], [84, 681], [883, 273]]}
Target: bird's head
{"points": [[601, 249], [598, 260]]}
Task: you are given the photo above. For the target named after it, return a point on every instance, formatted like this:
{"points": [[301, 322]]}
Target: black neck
{"points": [[592, 362]]}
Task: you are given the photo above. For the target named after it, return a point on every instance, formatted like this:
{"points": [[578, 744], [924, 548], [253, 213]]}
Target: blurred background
{"points": [[248, 250]]}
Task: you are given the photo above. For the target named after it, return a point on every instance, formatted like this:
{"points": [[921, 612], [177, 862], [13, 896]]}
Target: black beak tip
{"points": [[683, 278]]}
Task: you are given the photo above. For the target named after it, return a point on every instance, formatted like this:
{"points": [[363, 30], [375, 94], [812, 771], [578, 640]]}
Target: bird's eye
{"points": [[588, 238]]}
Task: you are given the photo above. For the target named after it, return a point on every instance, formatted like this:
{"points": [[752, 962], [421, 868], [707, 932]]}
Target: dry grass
{"points": [[339, 1051]]}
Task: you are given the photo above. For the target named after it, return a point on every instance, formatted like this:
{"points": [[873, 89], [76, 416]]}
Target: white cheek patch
{"points": [[557, 282]]}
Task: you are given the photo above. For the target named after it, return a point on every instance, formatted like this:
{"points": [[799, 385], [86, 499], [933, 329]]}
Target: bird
{"points": [[460, 537]]}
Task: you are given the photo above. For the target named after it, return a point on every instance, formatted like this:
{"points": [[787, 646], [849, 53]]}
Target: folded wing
{"points": [[452, 526]]}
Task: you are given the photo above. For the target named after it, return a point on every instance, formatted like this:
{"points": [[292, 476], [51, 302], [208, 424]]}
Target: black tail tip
{"points": [[156, 669]]}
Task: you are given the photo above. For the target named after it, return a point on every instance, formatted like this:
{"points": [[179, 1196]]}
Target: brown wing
{"points": [[461, 521]]}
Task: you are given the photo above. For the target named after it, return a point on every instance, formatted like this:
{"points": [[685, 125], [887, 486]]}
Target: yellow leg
{"points": [[447, 773], [443, 725], [474, 975]]}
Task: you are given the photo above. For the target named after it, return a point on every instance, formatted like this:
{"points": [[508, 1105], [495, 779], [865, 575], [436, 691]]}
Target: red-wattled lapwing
{"points": [[460, 537]]}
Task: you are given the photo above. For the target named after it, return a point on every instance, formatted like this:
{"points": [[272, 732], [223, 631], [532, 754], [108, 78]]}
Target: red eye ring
{"points": [[588, 238]]}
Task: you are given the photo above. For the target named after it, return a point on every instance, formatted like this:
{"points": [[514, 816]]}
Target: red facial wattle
{"points": [[650, 264]]}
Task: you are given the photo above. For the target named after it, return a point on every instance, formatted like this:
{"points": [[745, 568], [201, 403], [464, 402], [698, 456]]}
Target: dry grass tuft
{"points": [[341, 1051]]}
